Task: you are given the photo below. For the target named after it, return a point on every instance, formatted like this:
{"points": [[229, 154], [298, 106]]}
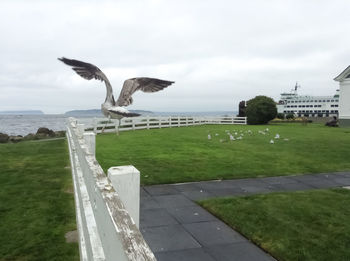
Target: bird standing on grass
{"points": [[116, 109]]}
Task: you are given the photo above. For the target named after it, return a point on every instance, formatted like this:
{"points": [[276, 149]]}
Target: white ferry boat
{"points": [[308, 106]]}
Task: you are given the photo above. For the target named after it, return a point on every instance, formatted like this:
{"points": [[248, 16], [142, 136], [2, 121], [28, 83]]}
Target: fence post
{"points": [[170, 121], [132, 124], [126, 181], [116, 125], [90, 140], [147, 122], [178, 121], [160, 122], [81, 129]]}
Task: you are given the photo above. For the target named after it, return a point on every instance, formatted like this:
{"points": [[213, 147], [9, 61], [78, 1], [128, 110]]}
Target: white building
{"points": [[344, 102], [309, 106]]}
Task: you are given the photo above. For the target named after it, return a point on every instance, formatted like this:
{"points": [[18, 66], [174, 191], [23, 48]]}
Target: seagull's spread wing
{"points": [[86, 70], [144, 84]]}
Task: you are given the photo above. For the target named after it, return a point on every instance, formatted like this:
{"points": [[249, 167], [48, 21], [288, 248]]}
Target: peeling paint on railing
{"points": [[106, 230]]}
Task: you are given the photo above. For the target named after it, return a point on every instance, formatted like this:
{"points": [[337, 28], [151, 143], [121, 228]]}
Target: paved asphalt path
{"points": [[176, 228]]}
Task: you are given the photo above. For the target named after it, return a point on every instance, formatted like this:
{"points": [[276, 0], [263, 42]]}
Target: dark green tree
{"points": [[260, 110]]}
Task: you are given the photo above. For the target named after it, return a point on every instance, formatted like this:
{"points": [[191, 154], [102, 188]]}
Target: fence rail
{"points": [[106, 229], [139, 123]]}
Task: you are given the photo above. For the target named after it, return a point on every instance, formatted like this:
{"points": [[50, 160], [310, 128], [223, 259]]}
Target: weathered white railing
{"points": [[107, 208], [149, 122]]}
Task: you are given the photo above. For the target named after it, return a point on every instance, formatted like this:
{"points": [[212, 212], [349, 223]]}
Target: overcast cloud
{"points": [[217, 52]]}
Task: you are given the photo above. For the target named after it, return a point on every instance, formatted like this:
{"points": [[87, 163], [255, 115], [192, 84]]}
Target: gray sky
{"points": [[217, 52]]}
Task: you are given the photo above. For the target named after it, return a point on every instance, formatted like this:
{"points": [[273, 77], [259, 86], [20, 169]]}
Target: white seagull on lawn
{"points": [[116, 109]]}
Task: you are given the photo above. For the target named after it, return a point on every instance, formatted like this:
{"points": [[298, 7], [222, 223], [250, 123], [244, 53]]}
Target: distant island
{"points": [[27, 112], [97, 112]]}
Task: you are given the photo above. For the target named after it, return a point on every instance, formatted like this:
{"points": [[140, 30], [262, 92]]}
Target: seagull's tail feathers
{"points": [[124, 114], [132, 114]]}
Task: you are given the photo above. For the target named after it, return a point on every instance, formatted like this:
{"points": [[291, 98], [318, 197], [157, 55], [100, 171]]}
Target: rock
{"points": [[16, 139], [45, 131], [29, 136], [4, 138], [40, 136], [332, 123]]}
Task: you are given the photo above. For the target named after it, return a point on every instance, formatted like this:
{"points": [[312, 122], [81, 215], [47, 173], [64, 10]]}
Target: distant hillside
{"points": [[29, 112], [97, 112]]}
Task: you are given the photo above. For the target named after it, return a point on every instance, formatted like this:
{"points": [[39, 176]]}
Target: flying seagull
{"points": [[116, 109]]}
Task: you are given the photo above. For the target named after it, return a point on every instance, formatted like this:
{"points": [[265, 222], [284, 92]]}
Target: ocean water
{"points": [[25, 124]]}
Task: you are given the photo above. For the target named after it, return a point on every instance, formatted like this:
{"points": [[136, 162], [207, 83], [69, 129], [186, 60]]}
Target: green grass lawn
{"points": [[36, 202], [185, 154], [309, 225]]}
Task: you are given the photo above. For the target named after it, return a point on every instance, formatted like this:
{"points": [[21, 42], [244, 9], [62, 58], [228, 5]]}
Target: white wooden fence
{"points": [[138, 123], [107, 208]]}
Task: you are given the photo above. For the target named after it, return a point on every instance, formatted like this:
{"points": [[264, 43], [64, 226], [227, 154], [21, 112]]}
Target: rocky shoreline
{"points": [[42, 133]]}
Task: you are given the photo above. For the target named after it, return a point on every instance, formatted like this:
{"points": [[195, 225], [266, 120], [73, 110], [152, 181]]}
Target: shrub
{"points": [[260, 110], [290, 116], [280, 116]]}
